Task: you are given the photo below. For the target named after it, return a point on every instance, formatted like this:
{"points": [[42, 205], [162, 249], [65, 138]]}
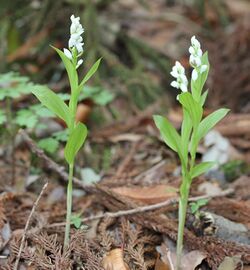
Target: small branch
{"points": [[52, 165], [27, 225], [127, 160], [145, 208], [149, 171]]}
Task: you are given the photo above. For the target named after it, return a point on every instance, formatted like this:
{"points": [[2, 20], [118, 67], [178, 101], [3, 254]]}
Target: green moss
{"points": [[234, 169]]}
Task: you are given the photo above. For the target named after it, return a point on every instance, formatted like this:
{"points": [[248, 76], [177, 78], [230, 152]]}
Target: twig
{"points": [[149, 171], [60, 170], [124, 164], [145, 208], [27, 225]]}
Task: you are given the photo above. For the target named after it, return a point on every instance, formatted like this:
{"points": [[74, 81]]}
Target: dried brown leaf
{"points": [[82, 113], [160, 265], [189, 260], [152, 194], [114, 260]]}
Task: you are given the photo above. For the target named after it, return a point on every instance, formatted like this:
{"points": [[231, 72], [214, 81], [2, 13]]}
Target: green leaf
{"points": [[197, 86], [203, 76], [41, 111], [75, 141], [26, 118], [49, 144], [2, 117], [210, 121], [195, 206], [186, 129], [71, 71], [103, 98], [204, 97], [50, 100], [61, 135], [202, 168], [99, 95], [90, 73], [193, 108], [13, 85], [76, 220], [168, 133]]}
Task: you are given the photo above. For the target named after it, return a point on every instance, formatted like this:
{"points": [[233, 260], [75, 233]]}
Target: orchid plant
{"points": [[77, 131], [193, 127]]}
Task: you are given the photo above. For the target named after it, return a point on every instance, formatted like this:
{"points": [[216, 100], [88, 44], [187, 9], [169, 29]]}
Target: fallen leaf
{"points": [[130, 137], [190, 260], [25, 49], [209, 188], [5, 234], [160, 265], [229, 263], [82, 113], [219, 148], [151, 194], [89, 176], [56, 195], [114, 260]]}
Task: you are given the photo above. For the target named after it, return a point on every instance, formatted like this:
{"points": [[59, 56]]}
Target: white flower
{"points": [[183, 87], [76, 27], [79, 47], [175, 84], [195, 43], [195, 53], [79, 63], [199, 52], [203, 68], [195, 58], [194, 61], [75, 41], [178, 72], [76, 31], [67, 53], [194, 75]]}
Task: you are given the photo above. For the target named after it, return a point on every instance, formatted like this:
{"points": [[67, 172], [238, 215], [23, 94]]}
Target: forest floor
{"points": [[126, 215]]}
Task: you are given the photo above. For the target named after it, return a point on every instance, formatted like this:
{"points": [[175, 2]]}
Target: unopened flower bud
{"points": [[67, 53]]}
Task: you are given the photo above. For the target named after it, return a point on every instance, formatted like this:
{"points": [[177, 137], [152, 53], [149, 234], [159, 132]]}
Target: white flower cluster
{"points": [[75, 40], [178, 72], [195, 58]]}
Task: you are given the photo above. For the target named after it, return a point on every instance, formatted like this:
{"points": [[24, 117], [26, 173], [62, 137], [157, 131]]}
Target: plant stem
{"points": [[183, 201], [69, 206]]}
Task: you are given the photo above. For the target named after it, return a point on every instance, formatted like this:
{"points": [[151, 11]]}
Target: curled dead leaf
{"points": [[114, 260], [82, 113], [189, 261], [160, 265]]}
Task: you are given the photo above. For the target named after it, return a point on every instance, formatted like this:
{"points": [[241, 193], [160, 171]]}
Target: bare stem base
{"points": [[69, 207], [182, 218]]}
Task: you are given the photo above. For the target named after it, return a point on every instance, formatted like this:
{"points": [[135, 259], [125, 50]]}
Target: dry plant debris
{"points": [[121, 226]]}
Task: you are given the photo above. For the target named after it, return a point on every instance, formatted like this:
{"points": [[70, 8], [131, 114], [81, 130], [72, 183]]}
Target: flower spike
{"points": [[195, 58], [75, 41], [178, 72]]}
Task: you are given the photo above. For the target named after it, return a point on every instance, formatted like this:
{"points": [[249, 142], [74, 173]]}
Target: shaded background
{"points": [[139, 41]]}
